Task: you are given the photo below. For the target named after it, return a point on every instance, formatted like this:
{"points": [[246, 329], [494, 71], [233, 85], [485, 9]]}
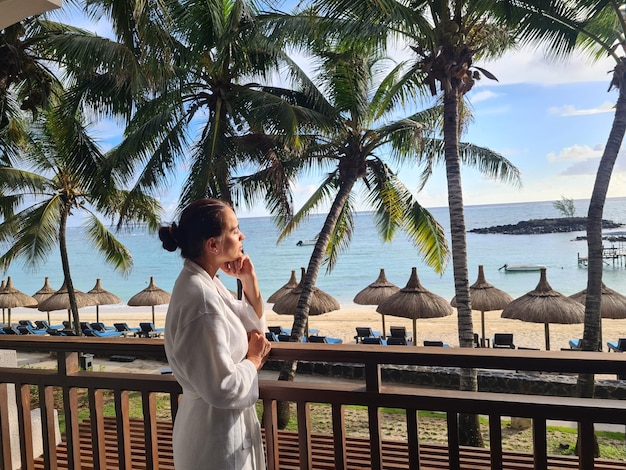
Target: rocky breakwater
{"points": [[539, 226]]}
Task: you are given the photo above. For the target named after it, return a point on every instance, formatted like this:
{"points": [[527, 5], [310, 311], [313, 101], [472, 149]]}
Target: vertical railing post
{"points": [[48, 427], [96, 414], [586, 445], [122, 418], [5, 429], [148, 401], [495, 441], [67, 364], [453, 440], [540, 444], [270, 423], [304, 435], [339, 437], [373, 382]]}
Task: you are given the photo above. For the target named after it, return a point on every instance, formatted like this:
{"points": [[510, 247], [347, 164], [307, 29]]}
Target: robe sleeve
{"points": [[242, 309], [204, 348]]}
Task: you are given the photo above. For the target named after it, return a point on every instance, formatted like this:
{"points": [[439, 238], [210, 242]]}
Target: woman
{"points": [[214, 343]]}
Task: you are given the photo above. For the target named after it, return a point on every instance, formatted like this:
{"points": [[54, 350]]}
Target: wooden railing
{"points": [[68, 380]]}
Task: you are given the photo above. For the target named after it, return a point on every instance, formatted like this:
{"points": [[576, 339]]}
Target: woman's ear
{"points": [[211, 245]]}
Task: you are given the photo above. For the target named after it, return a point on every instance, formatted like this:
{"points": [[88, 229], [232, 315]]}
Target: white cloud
{"points": [[570, 110], [483, 95], [531, 66], [590, 166], [575, 153]]}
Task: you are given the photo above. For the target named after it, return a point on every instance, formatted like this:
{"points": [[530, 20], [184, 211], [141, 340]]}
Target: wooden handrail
{"points": [[371, 392]]}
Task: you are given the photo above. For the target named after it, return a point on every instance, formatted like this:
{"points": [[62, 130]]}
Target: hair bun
{"points": [[169, 237]]}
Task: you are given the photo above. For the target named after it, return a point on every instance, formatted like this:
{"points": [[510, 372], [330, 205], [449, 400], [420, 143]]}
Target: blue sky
{"points": [[550, 119]]}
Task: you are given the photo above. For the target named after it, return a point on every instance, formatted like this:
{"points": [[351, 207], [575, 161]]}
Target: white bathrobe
{"points": [[206, 344]]}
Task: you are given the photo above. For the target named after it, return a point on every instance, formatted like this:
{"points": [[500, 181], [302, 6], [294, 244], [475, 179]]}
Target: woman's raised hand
{"points": [[258, 349]]}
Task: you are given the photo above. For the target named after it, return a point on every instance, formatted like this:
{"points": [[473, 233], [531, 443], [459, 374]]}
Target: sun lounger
{"points": [[399, 332], [279, 330], [503, 341], [365, 332], [99, 326], [440, 344], [99, 334], [27, 330], [271, 336], [44, 325], [29, 324], [575, 343], [11, 330], [148, 330], [324, 339], [373, 340], [127, 330], [395, 341], [619, 346]]}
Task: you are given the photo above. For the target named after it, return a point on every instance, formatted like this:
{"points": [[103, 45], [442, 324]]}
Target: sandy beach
{"points": [[342, 324]]}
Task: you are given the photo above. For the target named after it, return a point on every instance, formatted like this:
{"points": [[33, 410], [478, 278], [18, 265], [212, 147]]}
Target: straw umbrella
{"points": [[545, 305], [291, 284], [376, 292], [60, 300], [414, 301], [612, 304], [485, 297], [12, 11], [321, 302], [10, 298], [102, 297], [42, 294], [149, 297]]}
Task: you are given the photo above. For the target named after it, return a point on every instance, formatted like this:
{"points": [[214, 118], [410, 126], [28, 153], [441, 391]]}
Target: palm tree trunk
{"points": [[288, 370], [469, 426], [65, 262], [585, 385]]}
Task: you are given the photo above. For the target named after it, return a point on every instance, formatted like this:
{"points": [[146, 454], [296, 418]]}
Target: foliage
{"points": [[59, 174], [565, 206]]}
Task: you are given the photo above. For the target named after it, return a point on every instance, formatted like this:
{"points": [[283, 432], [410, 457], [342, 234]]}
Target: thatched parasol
{"points": [[60, 300], [291, 284], [545, 305], [485, 297], [10, 298], [150, 296], [43, 293], [321, 302], [612, 304], [102, 297], [376, 292], [414, 301]]}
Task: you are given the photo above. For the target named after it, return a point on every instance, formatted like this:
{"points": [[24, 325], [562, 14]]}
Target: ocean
{"points": [[357, 267]]}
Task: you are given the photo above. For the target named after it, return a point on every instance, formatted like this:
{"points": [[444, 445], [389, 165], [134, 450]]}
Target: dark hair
{"points": [[199, 221]]}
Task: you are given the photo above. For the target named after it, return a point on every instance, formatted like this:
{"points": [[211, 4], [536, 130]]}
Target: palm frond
{"points": [[322, 194], [341, 235], [103, 240]]}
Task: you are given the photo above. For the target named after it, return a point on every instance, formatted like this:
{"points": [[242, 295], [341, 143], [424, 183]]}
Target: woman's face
{"points": [[231, 238]]}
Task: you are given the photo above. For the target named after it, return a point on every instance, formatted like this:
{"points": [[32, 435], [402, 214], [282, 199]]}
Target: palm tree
{"points": [[212, 111], [446, 37], [350, 77], [58, 175]]}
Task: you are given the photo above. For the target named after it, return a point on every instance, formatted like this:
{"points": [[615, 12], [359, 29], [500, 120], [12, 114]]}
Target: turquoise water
{"points": [[360, 265]]}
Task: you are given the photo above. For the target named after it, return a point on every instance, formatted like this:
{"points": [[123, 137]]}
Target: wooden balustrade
{"points": [[67, 380]]}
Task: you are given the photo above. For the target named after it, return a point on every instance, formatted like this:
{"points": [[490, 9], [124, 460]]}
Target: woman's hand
{"points": [[258, 349], [241, 267]]}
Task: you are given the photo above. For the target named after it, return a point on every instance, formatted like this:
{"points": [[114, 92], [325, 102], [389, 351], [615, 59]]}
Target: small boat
{"points": [[306, 242], [522, 267]]}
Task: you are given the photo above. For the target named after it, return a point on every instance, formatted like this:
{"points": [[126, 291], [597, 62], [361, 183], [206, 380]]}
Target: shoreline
{"points": [[342, 324]]}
